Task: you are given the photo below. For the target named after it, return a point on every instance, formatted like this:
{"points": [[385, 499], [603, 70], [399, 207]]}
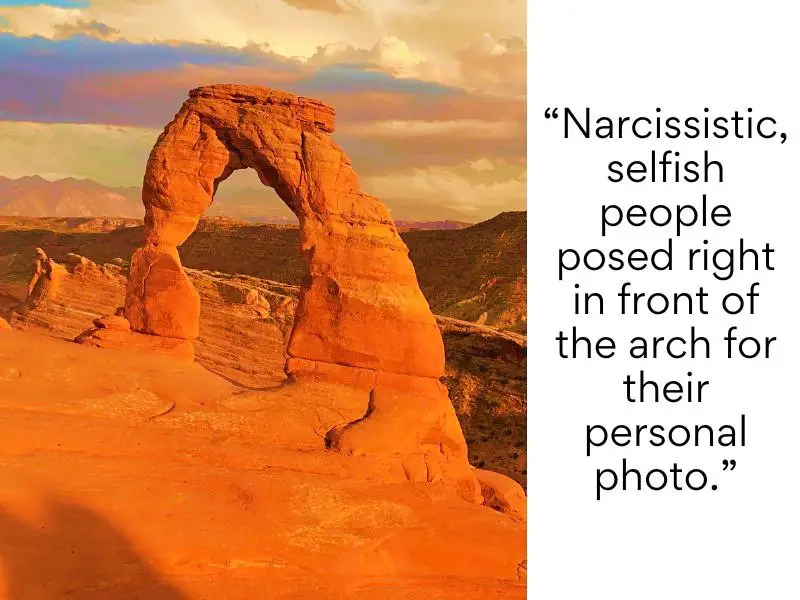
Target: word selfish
{"points": [[666, 167]]}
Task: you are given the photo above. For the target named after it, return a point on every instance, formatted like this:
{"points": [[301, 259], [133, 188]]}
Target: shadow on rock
{"points": [[74, 553]]}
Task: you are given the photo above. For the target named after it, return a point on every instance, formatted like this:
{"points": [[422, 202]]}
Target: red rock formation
{"points": [[360, 304], [72, 294], [360, 307]]}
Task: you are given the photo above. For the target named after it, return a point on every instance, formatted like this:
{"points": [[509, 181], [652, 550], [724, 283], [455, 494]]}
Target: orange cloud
{"points": [[328, 6], [497, 64], [92, 28]]}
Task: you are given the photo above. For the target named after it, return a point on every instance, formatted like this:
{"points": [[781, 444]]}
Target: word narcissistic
{"points": [[707, 126]]}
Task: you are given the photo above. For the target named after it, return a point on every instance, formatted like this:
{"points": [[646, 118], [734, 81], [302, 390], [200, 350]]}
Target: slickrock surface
{"points": [[156, 479], [244, 326]]}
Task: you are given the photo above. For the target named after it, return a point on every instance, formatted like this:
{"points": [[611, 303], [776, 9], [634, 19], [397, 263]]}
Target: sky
{"points": [[429, 94]]}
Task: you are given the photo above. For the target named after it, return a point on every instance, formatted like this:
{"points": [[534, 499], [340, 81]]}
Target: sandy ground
{"points": [[128, 476]]}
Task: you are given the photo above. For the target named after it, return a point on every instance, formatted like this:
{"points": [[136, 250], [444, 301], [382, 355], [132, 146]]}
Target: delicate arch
{"points": [[360, 303]]}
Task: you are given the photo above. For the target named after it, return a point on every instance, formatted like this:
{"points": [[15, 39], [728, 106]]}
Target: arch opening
{"points": [[243, 196]]}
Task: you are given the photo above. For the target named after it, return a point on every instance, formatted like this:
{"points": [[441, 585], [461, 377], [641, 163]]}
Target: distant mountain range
{"points": [[35, 196], [38, 197]]}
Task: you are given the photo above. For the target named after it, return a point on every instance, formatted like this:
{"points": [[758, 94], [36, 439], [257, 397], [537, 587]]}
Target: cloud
{"points": [[391, 53], [482, 165], [290, 29], [84, 55], [429, 94], [381, 146], [360, 78], [373, 156], [489, 64], [459, 189], [393, 106], [385, 124], [87, 150], [457, 129], [60, 3], [328, 6], [441, 27], [85, 80], [496, 64], [414, 38], [39, 19], [94, 29]]}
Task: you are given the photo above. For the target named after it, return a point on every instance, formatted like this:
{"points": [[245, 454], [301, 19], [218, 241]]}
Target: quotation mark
{"points": [[548, 114], [727, 465]]}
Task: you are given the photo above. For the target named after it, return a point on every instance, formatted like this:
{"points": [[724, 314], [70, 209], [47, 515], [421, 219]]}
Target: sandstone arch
{"points": [[360, 304], [361, 318]]}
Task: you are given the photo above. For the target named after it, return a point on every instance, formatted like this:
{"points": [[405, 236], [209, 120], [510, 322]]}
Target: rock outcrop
{"points": [[503, 494], [360, 306], [70, 296], [360, 303], [108, 332]]}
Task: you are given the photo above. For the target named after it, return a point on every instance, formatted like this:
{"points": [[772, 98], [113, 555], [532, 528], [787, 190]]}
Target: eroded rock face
{"points": [[360, 303], [62, 301], [503, 494], [160, 299], [411, 417]]}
